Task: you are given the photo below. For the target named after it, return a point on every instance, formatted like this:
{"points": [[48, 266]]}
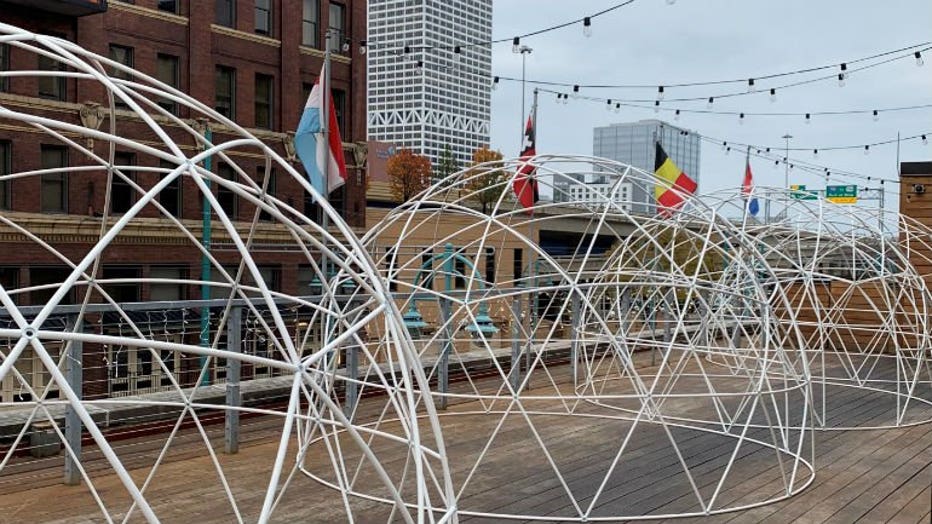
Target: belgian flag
{"points": [[673, 184]]}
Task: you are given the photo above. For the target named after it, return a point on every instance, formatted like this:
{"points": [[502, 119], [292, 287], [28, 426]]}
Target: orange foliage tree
{"points": [[488, 181], [408, 174]]}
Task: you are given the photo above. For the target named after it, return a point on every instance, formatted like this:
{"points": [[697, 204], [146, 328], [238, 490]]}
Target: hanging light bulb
{"points": [[724, 145], [516, 45], [676, 116], [842, 75], [815, 153], [925, 141], [876, 115], [419, 66], [608, 105], [709, 105], [741, 119], [559, 98], [494, 83], [767, 150], [587, 27], [575, 91], [728, 150], [566, 98], [617, 107], [656, 106], [919, 61], [751, 87], [407, 49], [776, 163], [362, 47], [773, 95], [659, 92], [867, 150], [808, 119], [458, 51]]}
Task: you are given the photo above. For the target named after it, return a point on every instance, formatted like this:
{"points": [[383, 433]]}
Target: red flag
{"points": [[525, 184]]}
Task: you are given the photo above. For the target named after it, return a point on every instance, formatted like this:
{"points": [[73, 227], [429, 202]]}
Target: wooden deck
{"points": [[868, 476]]}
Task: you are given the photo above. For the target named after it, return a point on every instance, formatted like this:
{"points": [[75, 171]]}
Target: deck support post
{"points": [[74, 375], [234, 398], [576, 316], [515, 343], [443, 365], [351, 391]]}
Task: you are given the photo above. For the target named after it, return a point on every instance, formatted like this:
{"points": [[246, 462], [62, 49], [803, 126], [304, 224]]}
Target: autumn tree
{"points": [[487, 178], [408, 174]]}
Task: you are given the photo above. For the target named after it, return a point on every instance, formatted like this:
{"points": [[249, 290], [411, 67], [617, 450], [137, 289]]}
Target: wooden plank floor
{"points": [[867, 476]]}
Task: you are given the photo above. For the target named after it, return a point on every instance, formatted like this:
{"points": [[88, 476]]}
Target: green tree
{"points": [[486, 178], [408, 174]]}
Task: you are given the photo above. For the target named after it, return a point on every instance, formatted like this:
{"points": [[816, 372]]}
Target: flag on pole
{"points": [[316, 154], [525, 184], [747, 190], [673, 184]]}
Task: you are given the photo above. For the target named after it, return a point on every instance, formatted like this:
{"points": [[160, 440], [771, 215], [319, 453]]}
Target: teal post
{"points": [[205, 269]]}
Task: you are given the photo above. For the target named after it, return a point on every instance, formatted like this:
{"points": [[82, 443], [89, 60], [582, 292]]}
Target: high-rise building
{"points": [[423, 94], [633, 143]]}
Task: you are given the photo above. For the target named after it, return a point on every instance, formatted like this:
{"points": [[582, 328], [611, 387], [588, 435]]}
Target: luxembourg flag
{"points": [[316, 155], [747, 189]]}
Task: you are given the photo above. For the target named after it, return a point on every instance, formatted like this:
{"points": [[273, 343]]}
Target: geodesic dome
{"points": [[582, 330], [857, 283], [150, 379]]}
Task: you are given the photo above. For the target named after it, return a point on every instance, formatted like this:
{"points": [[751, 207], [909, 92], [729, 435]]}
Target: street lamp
{"points": [[524, 50]]}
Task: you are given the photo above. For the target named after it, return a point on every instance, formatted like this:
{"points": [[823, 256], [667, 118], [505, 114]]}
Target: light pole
{"points": [[786, 175], [524, 50]]}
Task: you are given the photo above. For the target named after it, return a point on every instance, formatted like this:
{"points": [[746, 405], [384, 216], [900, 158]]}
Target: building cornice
{"points": [[118, 5], [243, 35]]}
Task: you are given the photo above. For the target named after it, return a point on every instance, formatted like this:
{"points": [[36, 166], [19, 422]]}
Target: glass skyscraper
{"points": [[633, 143]]}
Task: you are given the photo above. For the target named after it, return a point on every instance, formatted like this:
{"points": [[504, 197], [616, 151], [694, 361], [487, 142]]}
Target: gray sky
{"points": [[650, 42]]}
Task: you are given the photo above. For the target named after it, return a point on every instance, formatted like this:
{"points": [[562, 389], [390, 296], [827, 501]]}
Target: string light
{"points": [[418, 67], [676, 116], [362, 47], [656, 106], [516, 45], [751, 87], [458, 51], [867, 150], [815, 153], [575, 91], [842, 75], [494, 83], [925, 141], [728, 150], [741, 119], [407, 49], [709, 104], [773, 95], [617, 107], [876, 115], [808, 119], [587, 27], [660, 93], [608, 105], [919, 61], [724, 145]]}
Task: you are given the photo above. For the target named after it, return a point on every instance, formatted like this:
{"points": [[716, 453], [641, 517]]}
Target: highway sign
{"points": [[842, 194], [799, 192]]}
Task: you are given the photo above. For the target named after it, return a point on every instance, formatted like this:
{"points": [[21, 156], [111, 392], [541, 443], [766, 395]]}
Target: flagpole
{"points": [[532, 231], [747, 197], [325, 196]]}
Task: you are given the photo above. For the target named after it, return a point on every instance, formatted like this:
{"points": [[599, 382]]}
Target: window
{"points": [[264, 17], [226, 197], [166, 290], [271, 275], [169, 6], [4, 66], [336, 26], [518, 266], [269, 189], [122, 194], [122, 55], [170, 197], [490, 265], [9, 279], [54, 186], [427, 270], [459, 269], [52, 277], [51, 87], [122, 291], [226, 12], [309, 23], [225, 99], [263, 101], [339, 106], [6, 162], [166, 71]]}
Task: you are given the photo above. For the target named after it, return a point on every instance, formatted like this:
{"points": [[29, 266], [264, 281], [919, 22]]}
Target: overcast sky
{"points": [[650, 42]]}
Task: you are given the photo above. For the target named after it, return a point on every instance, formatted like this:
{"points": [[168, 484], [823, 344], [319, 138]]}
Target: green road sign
{"points": [[799, 192], [842, 194]]}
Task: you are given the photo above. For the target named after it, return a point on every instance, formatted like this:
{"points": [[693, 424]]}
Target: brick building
{"points": [[253, 61]]}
